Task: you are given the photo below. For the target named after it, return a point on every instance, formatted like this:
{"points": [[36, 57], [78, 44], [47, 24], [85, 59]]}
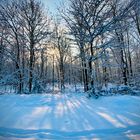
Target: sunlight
{"points": [[59, 111], [133, 136], [134, 114], [126, 120], [69, 69], [39, 111], [115, 122]]}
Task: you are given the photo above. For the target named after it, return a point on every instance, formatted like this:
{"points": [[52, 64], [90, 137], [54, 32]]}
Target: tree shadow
{"points": [[73, 117]]}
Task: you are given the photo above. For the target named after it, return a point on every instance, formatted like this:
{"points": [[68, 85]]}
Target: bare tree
{"points": [[11, 24], [62, 44], [36, 25], [27, 28]]}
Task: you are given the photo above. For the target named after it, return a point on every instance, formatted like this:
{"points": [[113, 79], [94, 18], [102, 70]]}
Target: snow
{"points": [[69, 116]]}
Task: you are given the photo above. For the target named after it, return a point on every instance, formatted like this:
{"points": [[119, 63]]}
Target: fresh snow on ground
{"points": [[69, 116]]}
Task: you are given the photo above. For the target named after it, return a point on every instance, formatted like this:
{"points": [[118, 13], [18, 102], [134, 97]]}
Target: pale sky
{"points": [[52, 4]]}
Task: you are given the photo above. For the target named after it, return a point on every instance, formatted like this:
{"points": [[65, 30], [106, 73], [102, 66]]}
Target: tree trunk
{"points": [[19, 72], [62, 73], [90, 68], [84, 69], [31, 65], [123, 67], [1, 54], [42, 64], [129, 55], [85, 76]]}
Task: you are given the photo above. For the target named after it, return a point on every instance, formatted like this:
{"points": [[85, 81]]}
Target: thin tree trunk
{"points": [[31, 65], [129, 56], [20, 88], [62, 73], [84, 69], [90, 68]]}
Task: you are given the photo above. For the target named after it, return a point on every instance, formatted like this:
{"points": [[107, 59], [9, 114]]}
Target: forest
{"points": [[73, 74], [90, 43]]}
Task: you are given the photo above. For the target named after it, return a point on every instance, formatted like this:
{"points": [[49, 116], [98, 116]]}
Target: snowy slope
{"points": [[73, 116]]}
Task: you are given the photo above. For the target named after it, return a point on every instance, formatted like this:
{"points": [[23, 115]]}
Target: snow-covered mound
{"points": [[73, 116]]}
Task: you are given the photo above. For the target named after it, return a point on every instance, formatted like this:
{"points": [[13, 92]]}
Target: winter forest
{"points": [[91, 43], [79, 64]]}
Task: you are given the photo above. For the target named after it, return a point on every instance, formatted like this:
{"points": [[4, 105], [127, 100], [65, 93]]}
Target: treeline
{"points": [[96, 42]]}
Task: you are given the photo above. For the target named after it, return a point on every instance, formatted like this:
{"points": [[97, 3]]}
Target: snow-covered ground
{"points": [[69, 116]]}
